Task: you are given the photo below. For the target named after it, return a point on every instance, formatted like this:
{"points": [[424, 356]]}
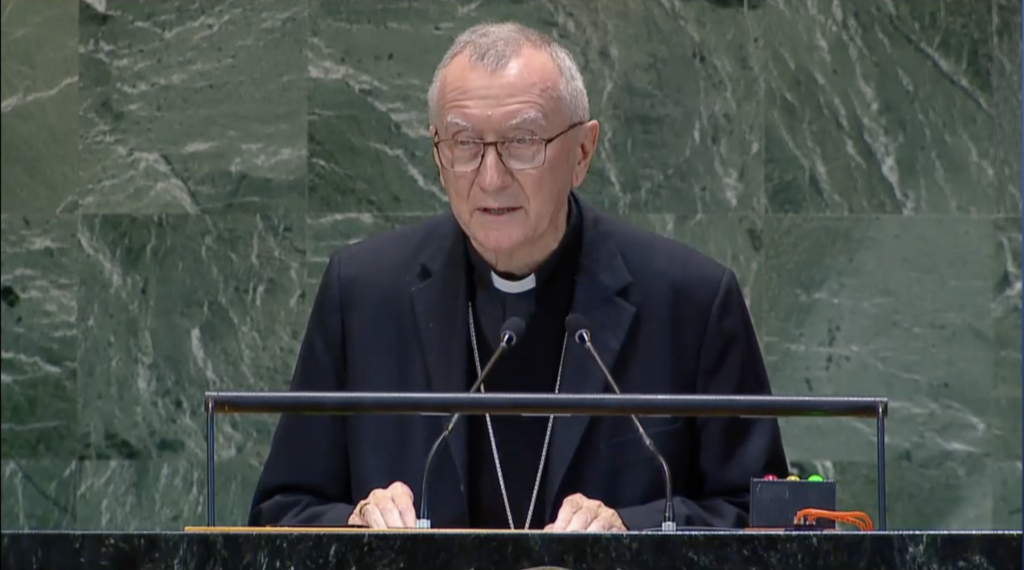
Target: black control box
{"points": [[774, 503]]}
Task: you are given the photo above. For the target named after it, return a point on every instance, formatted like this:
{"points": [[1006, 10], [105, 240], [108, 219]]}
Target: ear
{"points": [[587, 146], [432, 130]]}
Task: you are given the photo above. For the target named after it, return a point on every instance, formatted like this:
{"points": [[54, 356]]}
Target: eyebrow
{"points": [[529, 117], [453, 120]]}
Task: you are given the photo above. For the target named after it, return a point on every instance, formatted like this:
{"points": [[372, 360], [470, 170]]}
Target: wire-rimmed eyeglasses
{"points": [[521, 152]]}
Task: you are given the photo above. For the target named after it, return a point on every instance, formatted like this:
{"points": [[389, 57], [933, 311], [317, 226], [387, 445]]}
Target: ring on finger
{"points": [[361, 509]]}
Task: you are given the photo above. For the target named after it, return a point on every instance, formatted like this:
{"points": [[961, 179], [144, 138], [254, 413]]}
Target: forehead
{"points": [[525, 92]]}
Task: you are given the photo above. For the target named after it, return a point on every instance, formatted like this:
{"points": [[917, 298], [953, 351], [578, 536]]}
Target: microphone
{"points": [[510, 333], [576, 324]]}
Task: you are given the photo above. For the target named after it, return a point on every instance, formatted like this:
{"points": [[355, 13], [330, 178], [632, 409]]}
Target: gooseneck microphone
{"points": [[510, 333], [576, 325]]}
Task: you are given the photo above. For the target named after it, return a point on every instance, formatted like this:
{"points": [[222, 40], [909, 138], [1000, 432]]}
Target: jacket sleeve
{"points": [[305, 480], [731, 450]]}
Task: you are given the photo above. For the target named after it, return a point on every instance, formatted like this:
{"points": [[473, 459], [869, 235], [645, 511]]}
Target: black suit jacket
{"points": [[391, 315]]}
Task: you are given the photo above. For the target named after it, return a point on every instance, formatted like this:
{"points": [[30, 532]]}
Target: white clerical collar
{"points": [[507, 286]]}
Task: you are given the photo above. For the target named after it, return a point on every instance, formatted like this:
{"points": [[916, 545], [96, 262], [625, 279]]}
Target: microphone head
{"points": [[512, 330], [576, 325]]}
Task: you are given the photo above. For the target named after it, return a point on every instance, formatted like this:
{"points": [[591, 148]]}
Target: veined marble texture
{"points": [[179, 171]]}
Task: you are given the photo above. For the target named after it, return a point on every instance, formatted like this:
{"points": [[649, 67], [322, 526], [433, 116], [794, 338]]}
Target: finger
{"points": [[354, 520], [569, 507], [399, 488], [608, 520], [582, 519], [385, 504], [406, 509], [389, 510], [371, 515], [402, 496]]}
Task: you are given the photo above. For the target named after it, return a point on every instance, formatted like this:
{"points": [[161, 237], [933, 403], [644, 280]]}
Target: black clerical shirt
{"points": [[531, 366]]}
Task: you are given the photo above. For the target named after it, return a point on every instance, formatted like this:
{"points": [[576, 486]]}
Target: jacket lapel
{"points": [[440, 303], [601, 276]]}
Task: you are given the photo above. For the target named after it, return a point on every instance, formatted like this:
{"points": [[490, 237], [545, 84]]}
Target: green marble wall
{"points": [[178, 171]]}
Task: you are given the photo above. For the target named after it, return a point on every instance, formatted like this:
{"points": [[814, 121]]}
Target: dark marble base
{"points": [[512, 551]]}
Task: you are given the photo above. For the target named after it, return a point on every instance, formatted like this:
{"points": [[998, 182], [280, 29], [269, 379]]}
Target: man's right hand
{"points": [[386, 508]]}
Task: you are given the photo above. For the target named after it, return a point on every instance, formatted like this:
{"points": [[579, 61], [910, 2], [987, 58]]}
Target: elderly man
{"points": [[420, 308]]}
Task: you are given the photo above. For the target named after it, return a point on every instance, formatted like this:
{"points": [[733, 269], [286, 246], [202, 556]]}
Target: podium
{"points": [[453, 405], [310, 549], [229, 548]]}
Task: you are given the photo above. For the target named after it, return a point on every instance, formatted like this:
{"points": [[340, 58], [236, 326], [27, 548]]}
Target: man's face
{"points": [[508, 206]]}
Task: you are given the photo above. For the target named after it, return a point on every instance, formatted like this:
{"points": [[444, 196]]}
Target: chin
{"points": [[498, 240]]}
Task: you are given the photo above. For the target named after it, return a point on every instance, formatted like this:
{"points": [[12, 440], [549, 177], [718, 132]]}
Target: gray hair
{"points": [[493, 45]]}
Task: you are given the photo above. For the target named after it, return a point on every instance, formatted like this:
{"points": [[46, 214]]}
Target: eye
{"points": [[521, 140]]}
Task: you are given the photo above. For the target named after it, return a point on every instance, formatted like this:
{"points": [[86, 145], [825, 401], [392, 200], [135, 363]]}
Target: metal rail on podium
{"points": [[352, 403]]}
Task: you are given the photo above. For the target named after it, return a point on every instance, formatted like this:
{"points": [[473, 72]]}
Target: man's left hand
{"points": [[581, 513]]}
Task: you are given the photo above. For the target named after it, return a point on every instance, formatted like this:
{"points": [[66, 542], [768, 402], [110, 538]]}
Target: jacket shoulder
{"points": [[394, 248], [381, 261], [653, 258]]}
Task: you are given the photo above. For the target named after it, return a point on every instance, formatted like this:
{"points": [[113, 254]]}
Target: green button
{"points": [[815, 478]]}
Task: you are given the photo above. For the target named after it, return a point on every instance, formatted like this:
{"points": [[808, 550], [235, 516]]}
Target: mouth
{"points": [[497, 212]]}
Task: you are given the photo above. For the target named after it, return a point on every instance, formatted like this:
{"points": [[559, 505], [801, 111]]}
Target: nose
{"points": [[492, 174]]}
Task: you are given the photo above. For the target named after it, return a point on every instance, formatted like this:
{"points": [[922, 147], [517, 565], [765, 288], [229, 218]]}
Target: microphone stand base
{"points": [[668, 526], [422, 523]]}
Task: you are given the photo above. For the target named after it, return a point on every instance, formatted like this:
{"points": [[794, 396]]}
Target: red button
{"points": [[770, 477]]}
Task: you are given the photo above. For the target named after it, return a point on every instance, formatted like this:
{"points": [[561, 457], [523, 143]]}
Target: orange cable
{"points": [[856, 518]]}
